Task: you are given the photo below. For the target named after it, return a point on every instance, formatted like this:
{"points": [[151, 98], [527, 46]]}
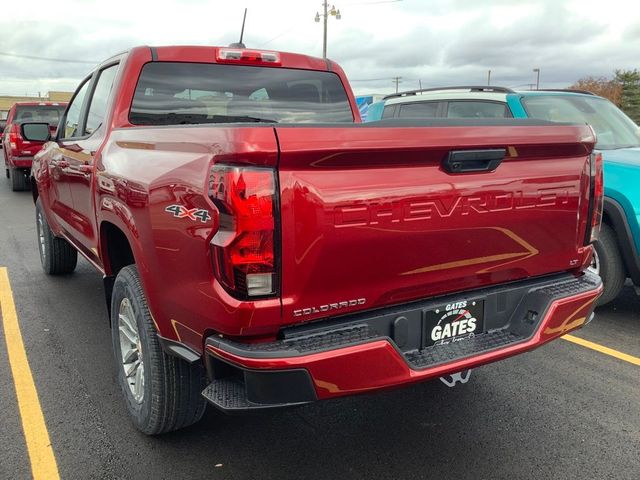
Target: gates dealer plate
{"points": [[454, 322]]}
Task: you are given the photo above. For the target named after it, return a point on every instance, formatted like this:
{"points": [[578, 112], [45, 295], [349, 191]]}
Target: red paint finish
{"points": [[363, 212], [370, 214], [349, 370], [175, 253]]}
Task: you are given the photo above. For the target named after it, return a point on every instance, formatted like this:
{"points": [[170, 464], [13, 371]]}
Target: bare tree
{"points": [[605, 87]]}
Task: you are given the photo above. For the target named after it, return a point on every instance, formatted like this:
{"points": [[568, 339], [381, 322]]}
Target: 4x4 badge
{"points": [[179, 211]]}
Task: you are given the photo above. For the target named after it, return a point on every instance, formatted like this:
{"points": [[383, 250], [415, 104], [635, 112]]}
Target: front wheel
{"points": [[162, 393], [57, 256], [607, 263]]}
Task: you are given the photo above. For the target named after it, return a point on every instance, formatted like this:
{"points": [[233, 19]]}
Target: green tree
{"points": [[629, 81]]}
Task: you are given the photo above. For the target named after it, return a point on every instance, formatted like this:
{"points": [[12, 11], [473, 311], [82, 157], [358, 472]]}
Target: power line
{"points": [[368, 79], [48, 59], [278, 36], [374, 3]]}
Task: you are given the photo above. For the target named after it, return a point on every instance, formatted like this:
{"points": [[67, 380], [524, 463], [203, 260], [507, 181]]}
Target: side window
{"points": [[468, 109], [72, 120], [260, 94], [98, 105], [389, 111], [419, 110]]}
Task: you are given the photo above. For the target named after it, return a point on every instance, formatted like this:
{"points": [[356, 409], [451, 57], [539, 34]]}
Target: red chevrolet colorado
{"points": [[262, 248], [19, 152]]}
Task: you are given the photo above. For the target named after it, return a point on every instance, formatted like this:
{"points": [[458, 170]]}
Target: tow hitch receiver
{"points": [[455, 378]]}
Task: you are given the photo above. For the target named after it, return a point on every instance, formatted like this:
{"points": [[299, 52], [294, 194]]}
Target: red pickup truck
{"points": [[262, 248], [18, 152]]}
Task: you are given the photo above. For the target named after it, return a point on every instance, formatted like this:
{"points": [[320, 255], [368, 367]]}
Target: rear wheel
{"points": [[607, 263], [162, 393], [57, 256], [19, 179]]}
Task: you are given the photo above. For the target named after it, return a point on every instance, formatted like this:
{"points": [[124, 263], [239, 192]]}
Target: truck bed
{"points": [[368, 217]]}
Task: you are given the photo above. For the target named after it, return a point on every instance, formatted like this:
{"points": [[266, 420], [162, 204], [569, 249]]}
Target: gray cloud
{"points": [[632, 33], [439, 42]]}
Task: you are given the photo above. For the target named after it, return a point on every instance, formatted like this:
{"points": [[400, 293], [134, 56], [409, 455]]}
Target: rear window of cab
{"points": [[39, 113], [173, 93]]}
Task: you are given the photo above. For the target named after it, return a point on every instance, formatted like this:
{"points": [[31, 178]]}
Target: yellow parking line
{"points": [[43, 461], [602, 349]]}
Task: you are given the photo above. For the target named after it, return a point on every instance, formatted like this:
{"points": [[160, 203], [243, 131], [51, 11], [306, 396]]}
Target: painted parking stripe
{"points": [[43, 461], [602, 349]]}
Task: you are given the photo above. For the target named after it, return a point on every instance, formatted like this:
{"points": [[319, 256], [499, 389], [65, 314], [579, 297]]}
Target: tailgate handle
{"points": [[465, 161]]}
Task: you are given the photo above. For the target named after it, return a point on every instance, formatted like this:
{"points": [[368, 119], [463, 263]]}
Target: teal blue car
{"points": [[617, 251]]}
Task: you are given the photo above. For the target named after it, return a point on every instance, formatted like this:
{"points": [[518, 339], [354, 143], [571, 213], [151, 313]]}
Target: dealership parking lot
{"points": [[563, 411]]}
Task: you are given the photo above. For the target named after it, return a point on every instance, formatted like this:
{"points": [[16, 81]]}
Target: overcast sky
{"points": [[439, 42]]}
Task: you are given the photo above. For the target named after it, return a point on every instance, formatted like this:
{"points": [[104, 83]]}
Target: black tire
{"points": [[19, 179], [611, 269], [171, 397], [57, 256], [6, 172]]}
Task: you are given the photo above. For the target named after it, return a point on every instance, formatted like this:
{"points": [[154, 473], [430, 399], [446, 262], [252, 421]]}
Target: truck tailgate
{"points": [[371, 218]]}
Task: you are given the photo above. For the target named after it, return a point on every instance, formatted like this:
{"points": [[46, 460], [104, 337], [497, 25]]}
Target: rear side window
{"points": [[419, 110], [189, 93], [72, 120], [39, 113], [472, 109], [98, 108], [613, 128], [389, 111]]}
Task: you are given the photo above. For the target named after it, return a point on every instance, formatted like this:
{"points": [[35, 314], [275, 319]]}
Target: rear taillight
{"points": [[596, 199], [244, 246], [15, 139]]}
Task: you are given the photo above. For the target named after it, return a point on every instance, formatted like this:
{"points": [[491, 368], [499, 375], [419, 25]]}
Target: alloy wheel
{"points": [[131, 350]]}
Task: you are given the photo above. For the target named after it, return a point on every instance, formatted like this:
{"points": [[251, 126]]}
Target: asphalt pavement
{"points": [[563, 411]]}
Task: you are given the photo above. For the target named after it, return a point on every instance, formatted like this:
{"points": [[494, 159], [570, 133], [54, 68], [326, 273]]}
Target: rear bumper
{"points": [[377, 350], [19, 162]]}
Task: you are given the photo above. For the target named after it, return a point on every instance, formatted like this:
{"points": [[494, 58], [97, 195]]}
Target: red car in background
{"points": [[18, 152]]}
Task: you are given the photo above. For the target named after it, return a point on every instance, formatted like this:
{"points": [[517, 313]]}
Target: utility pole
{"points": [[537, 72], [489, 78], [397, 81], [324, 37], [326, 12]]}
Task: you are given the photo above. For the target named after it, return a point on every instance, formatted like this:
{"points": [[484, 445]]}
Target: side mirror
{"points": [[35, 132]]}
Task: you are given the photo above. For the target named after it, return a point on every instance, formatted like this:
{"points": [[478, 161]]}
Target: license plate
{"points": [[454, 322]]}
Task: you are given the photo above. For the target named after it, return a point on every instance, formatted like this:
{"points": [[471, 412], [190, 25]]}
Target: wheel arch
{"points": [[614, 216], [116, 252]]}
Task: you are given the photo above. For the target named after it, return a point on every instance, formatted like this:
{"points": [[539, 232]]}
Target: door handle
{"points": [[466, 161]]}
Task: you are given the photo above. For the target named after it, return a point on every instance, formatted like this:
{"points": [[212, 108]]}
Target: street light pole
{"points": [[325, 15], [537, 72], [324, 38]]}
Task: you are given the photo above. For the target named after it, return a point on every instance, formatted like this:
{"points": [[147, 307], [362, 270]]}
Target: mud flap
{"points": [[455, 378]]}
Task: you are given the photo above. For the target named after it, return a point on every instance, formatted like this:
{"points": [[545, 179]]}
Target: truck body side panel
{"points": [[145, 170]]}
